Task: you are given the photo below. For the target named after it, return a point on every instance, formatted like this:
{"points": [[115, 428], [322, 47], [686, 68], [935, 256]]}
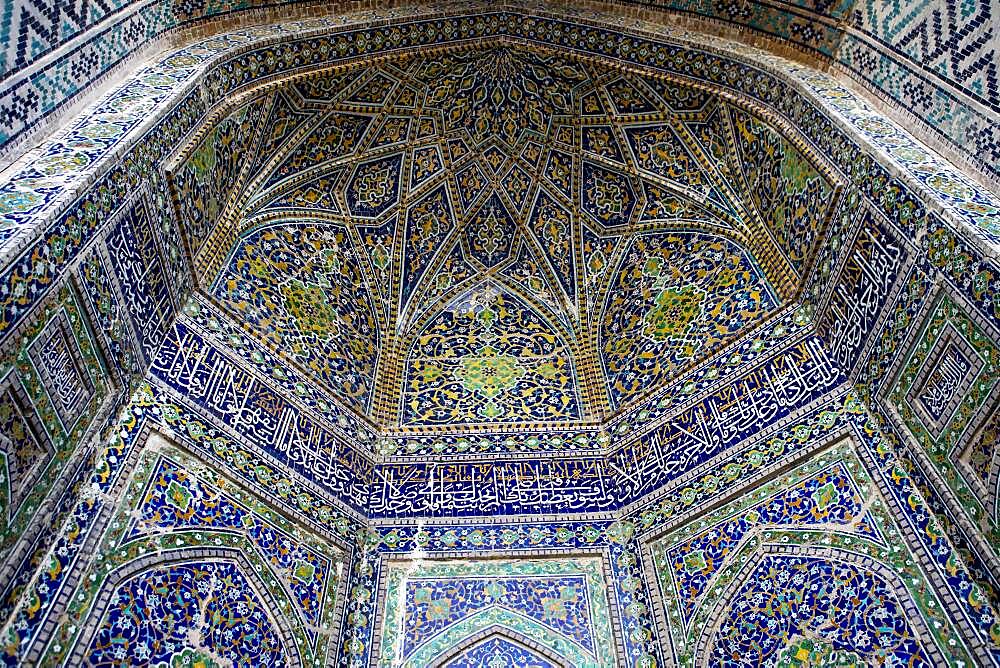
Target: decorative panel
{"points": [[202, 183], [790, 195], [134, 253], [57, 358], [862, 290], [981, 461], [112, 324], [52, 387], [193, 569], [672, 299], [190, 613], [489, 357], [432, 608], [810, 566], [947, 386], [26, 449], [300, 288]]}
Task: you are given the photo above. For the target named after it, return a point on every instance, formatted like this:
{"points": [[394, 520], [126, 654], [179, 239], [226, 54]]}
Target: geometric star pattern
{"points": [[443, 396], [483, 218]]}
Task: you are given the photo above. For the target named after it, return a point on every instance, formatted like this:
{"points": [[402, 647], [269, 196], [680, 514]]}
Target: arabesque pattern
{"points": [[441, 172], [303, 286], [461, 335]]}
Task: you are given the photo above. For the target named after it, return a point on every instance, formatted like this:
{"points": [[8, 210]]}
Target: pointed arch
{"points": [[520, 652], [886, 608], [449, 642]]}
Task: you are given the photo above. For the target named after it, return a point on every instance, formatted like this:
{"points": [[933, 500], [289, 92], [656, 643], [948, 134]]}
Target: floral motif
{"points": [[489, 357], [674, 298], [301, 289], [181, 614]]}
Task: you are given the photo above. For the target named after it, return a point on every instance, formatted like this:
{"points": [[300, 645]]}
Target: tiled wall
{"points": [[886, 488], [939, 60]]}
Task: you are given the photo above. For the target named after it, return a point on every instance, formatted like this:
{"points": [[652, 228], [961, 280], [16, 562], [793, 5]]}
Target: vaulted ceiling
{"points": [[496, 236]]}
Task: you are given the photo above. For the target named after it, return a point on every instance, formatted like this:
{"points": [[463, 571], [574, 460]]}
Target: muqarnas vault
{"points": [[465, 335]]}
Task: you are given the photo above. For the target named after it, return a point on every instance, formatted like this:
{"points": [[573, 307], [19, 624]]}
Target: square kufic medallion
{"points": [[943, 380], [59, 361], [945, 390]]}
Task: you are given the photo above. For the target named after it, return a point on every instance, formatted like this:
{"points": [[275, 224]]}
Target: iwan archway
{"points": [[466, 336]]}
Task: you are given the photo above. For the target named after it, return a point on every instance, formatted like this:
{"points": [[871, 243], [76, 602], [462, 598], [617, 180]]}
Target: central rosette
{"points": [[674, 308], [489, 357], [491, 373], [672, 312]]}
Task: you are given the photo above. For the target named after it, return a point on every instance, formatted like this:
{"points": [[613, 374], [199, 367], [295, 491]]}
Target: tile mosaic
{"points": [[531, 337]]}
